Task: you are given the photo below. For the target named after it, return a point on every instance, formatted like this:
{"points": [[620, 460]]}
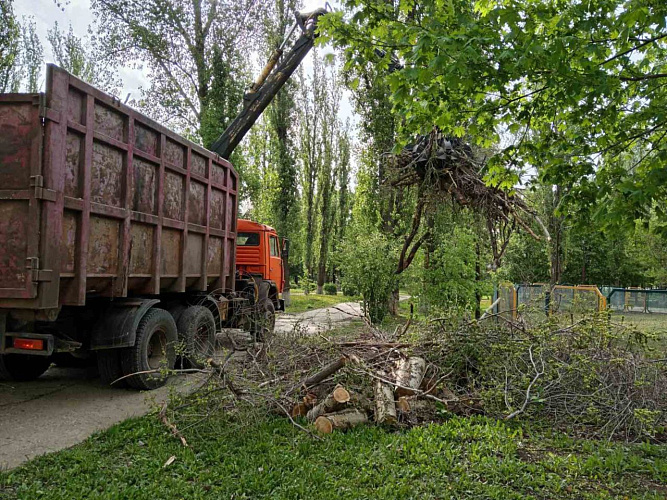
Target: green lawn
{"points": [[301, 303], [649, 323], [463, 458]]}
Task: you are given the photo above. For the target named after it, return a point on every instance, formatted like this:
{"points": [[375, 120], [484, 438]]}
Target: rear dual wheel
{"points": [[196, 330], [264, 315], [145, 365], [154, 351]]}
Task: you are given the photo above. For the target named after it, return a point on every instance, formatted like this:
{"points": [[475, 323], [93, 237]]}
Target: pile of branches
{"points": [[590, 374]]}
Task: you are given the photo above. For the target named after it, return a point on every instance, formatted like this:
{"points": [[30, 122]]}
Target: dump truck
{"points": [[119, 237]]}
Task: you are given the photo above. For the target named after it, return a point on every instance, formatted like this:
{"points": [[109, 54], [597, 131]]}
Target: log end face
{"points": [[341, 394], [323, 425]]}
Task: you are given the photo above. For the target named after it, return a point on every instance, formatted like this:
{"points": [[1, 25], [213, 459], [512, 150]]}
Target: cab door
{"points": [[275, 262]]}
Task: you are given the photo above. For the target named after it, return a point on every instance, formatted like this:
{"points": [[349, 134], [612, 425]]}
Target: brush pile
{"points": [[595, 375]]}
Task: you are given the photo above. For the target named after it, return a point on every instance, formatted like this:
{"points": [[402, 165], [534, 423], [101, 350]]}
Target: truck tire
{"points": [[110, 368], [265, 322], [23, 367], [154, 349], [196, 330]]}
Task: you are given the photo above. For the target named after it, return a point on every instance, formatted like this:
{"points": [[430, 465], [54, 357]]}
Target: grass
{"points": [[463, 458], [268, 458], [648, 323], [302, 303]]}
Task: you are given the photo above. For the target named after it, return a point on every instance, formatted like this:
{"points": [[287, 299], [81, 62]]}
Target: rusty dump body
{"points": [[117, 241], [97, 200]]}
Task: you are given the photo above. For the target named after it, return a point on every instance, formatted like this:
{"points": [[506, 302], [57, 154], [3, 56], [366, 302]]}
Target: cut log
{"points": [[325, 372], [409, 375], [333, 402], [347, 419], [301, 409], [385, 408]]}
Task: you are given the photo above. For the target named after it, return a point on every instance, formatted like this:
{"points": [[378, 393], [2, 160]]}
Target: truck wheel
{"points": [[154, 349], [23, 367], [265, 322], [196, 329], [110, 368]]}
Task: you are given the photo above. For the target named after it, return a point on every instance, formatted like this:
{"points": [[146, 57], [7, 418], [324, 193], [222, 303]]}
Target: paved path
{"points": [[318, 320], [64, 407]]}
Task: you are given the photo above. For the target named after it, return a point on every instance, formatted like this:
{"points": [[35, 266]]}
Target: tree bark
{"points": [[385, 408], [392, 306], [334, 402], [478, 280], [324, 373], [347, 419], [409, 375], [555, 229]]}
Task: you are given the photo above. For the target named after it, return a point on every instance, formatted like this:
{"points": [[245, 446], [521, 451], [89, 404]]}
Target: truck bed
{"points": [[97, 199]]}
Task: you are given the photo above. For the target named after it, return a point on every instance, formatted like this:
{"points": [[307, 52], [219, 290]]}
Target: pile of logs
{"points": [[393, 393]]}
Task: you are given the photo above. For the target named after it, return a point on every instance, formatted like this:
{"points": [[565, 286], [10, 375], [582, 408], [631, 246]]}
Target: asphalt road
{"points": [[66, 405]]}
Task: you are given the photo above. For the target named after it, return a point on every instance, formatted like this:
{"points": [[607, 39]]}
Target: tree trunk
{"points": [[287, 287], [347, 419], [409, 375], [385, 408], [392, 306], [555, 229], [324, 373], [321, 274], [478, 281], [334, 402]]}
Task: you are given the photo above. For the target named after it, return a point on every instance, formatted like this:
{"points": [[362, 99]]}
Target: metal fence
{"points": [[538, 299], [505, 301], [532, 295], [578, 299], [638, 300]]}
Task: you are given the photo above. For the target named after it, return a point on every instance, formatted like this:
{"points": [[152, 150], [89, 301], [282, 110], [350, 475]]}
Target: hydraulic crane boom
{"points": [[269, 82]]}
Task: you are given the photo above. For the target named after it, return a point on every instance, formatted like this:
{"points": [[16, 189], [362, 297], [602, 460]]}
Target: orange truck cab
{"points": [[259, 253]]}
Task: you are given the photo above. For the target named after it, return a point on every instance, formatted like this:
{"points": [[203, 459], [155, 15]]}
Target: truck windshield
{"points": [[247, 239]]}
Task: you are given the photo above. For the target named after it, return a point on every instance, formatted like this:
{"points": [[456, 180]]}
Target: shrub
{"points": [[330, 289], [368, 266], [349, 290], [308, 285]]}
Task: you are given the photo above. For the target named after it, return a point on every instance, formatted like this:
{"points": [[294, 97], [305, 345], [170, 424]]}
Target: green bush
{"points": [[349, 290], [368, 265], [308, 285], [330, 289]]}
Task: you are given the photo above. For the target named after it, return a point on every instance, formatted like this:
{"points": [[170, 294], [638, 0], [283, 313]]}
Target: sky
{"points": [[78, 14]]}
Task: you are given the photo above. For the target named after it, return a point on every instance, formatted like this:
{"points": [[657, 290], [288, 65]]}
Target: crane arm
{"points": [[272, 78]]}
